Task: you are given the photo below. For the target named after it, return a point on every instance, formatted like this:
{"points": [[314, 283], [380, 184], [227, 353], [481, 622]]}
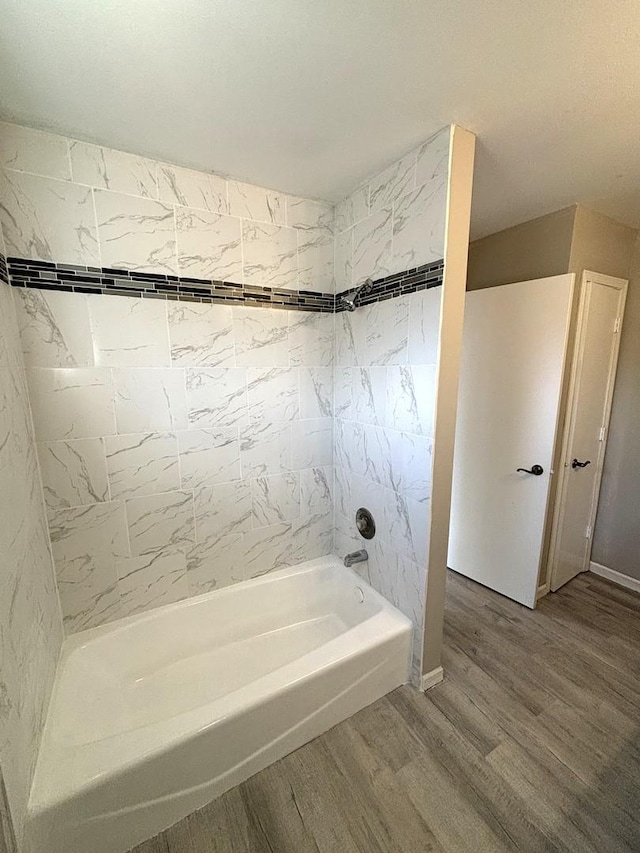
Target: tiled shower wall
{"points": [[386, 374], [186, 445], [384, 400], [30, 623], [183, 445], [396, 221], [65, 201]]}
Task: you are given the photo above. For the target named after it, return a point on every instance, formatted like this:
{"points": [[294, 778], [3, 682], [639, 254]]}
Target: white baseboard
{"points": [[432, 678], [616, 577]]}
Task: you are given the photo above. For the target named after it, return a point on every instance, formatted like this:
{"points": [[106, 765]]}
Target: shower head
{"points": [[349, 299], [349, 303]]}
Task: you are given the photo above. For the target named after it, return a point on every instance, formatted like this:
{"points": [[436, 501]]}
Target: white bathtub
{"points": [[155, 715]]}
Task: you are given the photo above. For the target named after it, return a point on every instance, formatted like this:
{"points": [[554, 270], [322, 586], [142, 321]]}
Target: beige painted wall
{"points": [[600, 244], [534, 249], [573, 240], [616, 541]]}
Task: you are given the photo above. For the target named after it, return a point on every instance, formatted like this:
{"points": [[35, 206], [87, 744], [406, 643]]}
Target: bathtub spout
{"points": [[356, 557]]}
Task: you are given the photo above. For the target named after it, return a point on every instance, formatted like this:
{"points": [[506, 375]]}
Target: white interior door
{"points": [[513, 355], [593, 373]]}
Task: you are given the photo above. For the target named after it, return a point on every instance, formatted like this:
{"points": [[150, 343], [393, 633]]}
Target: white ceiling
{"points": [[312, 96]]}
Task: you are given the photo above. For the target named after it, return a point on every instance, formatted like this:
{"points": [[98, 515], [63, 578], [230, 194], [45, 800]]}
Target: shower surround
{"points": [[204, 410]]}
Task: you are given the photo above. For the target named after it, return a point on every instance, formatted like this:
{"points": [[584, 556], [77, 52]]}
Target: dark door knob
{"points": [[576, 464], [535, 469]]}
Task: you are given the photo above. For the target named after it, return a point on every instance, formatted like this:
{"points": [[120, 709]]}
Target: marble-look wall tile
{"points": [[223, 509], [409, 463], [348, 446], [149, 400], [411, 589], [54, 328], [143, 464], [257, 203], [387, 331], [265, 448], [201, 335], [158, 522], [189, 188], [316, 491], [433, 158], [269, 254], [372, 246], [401, 539], [217, 396], [352, 209], [311, 339], [152, 581], [129, 332], [87, 541], [209, 456], [48, 220], [381, 350], [267, 549], [261, 337], [74, 473], [305, 213], [71, 402], [311, 537], [343, 260], [30, 619], [407, 522], [389, 186], [273, 394], [342, 392], [369, 394], [316, 392], [383, 569], [419, 226], [424, 326], [315, 260], [28, 150], [136, 233], [215, 563], [352, 328], [311, 443], [113, 170], [342, 443], [411, 393], [351, 493], [275, 499], [209, 245]]}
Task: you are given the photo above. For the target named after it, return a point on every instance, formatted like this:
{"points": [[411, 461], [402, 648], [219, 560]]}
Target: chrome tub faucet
{"points": [[356, 557]]}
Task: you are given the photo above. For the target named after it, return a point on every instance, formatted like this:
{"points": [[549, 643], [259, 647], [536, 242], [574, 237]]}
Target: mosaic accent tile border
{"points": [[78, 279], [46, 275], [398, 284]]}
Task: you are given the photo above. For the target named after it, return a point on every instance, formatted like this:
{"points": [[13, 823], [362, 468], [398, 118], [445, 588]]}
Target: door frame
{"points": [[589, 278]]}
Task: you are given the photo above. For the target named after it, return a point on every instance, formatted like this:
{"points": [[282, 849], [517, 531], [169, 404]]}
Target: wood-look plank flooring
{"points": [[531, 743]]}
